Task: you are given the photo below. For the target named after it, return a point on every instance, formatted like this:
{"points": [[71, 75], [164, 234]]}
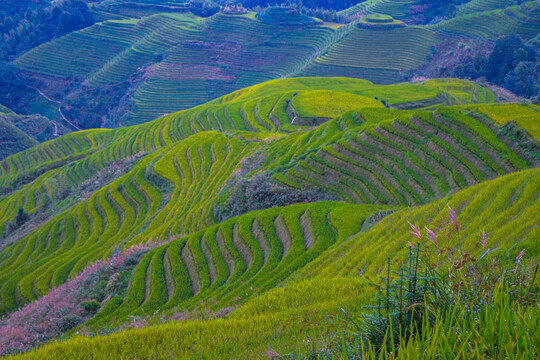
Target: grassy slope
{"points": [[169, 173], [12, 139], [21, 132], [165, 179], [165, 52], [525, 117], [523, 20], [283, 317]]}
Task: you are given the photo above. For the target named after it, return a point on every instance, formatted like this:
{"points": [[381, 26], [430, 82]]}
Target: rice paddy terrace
{"points": [[361, 53], [93, 193], [322, 286], [395, 8], [236, 51], [523, 20], [177, 61]]}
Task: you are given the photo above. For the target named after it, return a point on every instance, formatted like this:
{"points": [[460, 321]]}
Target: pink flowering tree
{"points": [[63, 307]]}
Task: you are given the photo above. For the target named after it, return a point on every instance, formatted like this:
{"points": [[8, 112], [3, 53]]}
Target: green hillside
{"points": [[322, 286], [12, 139], [163, 61], [20, 132], [361, 53], [395, 8], [159, 180], [275, 188], [257, 108], [523, 20]]}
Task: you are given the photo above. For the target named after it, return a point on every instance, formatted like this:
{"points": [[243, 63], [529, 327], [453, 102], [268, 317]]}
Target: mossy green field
{"points": [[284, 268]]}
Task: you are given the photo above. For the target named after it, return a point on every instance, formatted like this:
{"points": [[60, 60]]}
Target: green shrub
{"points": [[21, 217], [91, 306], [68, 322]]}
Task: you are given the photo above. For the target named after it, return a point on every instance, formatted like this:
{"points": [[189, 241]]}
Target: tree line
{"points": [[511, 65], [308, 4], [22, 31]]}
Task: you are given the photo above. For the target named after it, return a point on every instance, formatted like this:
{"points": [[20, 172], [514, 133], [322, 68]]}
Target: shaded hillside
{"points": [[12, 139], [130, 70], [20, 132], [94, 191]]}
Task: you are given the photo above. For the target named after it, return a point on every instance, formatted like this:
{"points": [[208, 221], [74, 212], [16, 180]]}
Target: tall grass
{"points": [[441, 303]]}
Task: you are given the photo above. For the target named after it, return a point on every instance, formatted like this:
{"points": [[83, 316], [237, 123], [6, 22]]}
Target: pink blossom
{"points": [[518, 259], [431, 236], [453, 217], [36, 322], [271, 354], [483, 238], [415, 231], [410, 244]]}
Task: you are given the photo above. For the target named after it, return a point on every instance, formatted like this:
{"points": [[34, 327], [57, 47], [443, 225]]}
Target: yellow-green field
{"points": [[330, 103], [525, 116], [282, 224]]}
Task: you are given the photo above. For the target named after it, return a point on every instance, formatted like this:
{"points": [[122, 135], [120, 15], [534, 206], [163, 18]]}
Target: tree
{"points": [[501, 59], [524, 79], [451, 11], [520, 54], [469, 71], [458, 71], [64, 23], [21, 217], [8, 24]]}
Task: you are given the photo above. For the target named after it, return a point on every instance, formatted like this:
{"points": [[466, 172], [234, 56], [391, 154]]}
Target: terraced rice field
{"points": [[525, 117], [128, 209], [241, 256], [329, 104], [360, 54], [237, 51], [523, 20], [82, 52], [258, 108], [395, 8], [245, 52], [169, 172], [505, 207], [407, 161], [481, 5], [325, 284], [156, 34], [166, 52]]}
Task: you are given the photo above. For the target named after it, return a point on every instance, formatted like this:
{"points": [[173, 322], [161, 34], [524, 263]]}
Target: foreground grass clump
{"points": [[444, 304], [502, 330]]}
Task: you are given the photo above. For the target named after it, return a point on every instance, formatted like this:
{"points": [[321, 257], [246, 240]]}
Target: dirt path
{"points": [[46, 97], [66, 120], [59, 103]]}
